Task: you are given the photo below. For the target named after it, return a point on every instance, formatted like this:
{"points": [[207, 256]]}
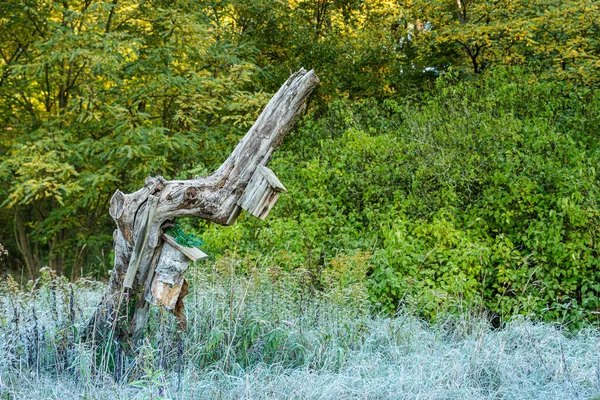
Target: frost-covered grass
{"points": [[268, 337]]}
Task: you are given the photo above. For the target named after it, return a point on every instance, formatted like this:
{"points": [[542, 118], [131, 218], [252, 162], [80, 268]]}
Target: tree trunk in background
{"points": [[31, 257], [140, 217]]}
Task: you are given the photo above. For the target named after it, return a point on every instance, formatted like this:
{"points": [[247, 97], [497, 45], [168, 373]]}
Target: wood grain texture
{"points": [[214, 197], [168, 277], [140, 244], [261, 193], [193, 253]]}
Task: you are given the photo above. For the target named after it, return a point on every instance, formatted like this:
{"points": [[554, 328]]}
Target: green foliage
{"points": [[359, 48], [560, 38], [98, 95], [482, 194], [183, 238], [469, 190]]}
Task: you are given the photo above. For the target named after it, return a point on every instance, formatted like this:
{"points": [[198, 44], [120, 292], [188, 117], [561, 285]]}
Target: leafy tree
{"points": [[562, 38], [357, 46], [100, 94]]}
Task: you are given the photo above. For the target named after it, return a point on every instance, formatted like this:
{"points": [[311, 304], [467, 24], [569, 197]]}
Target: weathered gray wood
{"points": [[193, 253], [140, 243], [261, 193], [274, 182], [214, 197], [142, 311]]}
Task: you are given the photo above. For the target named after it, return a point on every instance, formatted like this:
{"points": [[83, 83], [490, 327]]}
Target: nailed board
{"points": [[193, 253], [261, 193], [140, 243]]}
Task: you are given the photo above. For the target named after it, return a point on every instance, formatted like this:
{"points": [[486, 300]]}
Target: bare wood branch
{"points": [[214, 197]]}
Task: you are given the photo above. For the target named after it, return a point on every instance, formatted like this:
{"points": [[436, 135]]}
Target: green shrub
{"points": [[480, 194]]}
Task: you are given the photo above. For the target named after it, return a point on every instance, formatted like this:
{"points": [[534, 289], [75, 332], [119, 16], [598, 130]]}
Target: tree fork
{"points": [[141, 216]]}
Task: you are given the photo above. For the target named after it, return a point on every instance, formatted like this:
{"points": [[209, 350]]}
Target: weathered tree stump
{"points": [[147, 266]]}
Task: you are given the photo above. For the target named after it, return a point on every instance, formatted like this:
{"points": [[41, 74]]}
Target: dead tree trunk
{"points": [[242, 181]]}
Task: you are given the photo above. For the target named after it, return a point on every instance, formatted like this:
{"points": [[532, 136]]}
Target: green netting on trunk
{"points": [[183, 238]]}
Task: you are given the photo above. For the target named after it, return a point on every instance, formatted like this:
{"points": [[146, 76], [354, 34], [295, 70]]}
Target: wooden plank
{"points": [[193, 253], [266, 207], [255, 191], [270, 176], [140, 242]]}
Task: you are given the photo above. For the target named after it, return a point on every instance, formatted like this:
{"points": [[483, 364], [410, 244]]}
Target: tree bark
{"points": [[123, 311]]}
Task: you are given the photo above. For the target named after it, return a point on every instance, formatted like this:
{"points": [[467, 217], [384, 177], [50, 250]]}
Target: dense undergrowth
{"points": [[480, 194], [266, 335], [448, 159]]}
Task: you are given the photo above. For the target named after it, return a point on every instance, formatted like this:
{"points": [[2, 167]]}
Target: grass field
{"points": [[257, 337]]}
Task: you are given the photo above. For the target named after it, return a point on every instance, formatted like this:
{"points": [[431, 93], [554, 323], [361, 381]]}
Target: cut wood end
{"points": [[304, 74], [314, 76], [117, 202]]}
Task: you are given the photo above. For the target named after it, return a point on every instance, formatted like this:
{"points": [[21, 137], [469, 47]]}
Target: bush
{"points": [[479, 194]]}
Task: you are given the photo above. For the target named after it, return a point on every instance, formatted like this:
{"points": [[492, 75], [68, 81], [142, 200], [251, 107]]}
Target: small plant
{"points": [[153, 380], [183, 238]]}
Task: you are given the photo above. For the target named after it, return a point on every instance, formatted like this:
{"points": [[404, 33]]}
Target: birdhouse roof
{"points": [[271, 178]]}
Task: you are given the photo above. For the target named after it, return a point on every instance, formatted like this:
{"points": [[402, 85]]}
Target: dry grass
{"points": [[265, 338]]}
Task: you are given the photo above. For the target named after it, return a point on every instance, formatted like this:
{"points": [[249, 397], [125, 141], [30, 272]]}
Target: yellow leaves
{"points": [[510, 30], [40, 176]]}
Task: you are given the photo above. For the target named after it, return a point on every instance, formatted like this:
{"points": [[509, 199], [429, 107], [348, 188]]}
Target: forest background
{"points": [[448, 159]]}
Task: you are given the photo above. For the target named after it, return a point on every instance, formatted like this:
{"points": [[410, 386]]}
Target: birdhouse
{"points": [[168, 277], [261, 193]]}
